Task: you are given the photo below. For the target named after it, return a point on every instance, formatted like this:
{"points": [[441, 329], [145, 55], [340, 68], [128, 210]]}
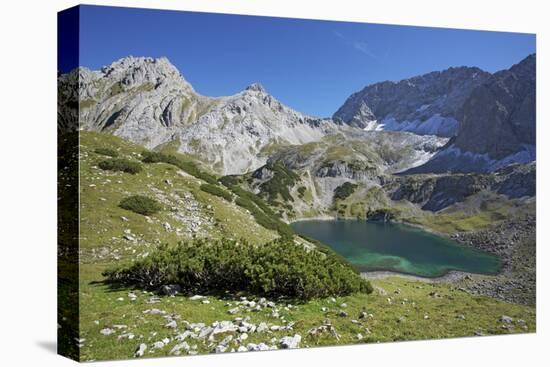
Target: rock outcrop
{"points": [[144, 100], [434, 193], [519, 180], [67, 102], [498, 119], [437, 192]]}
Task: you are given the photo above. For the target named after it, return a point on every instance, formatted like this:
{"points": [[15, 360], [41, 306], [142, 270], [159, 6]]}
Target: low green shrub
{"points": [[120, 164], [277, 269], [265, 220], [187, 166], [148, 156], [344, 191], [107, 151], [141, 204], [382, 214], [259, 209], [301, 191], [230, 180], [217, 191], [279, 184], [239, 191]]}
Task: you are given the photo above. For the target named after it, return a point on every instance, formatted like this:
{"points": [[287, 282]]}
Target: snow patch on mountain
{"points": [[423, 149], [373, 126], [434, 125], [526, 155], [453, 159]]}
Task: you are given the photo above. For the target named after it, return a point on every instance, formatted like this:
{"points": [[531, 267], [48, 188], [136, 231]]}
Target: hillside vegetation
{"points": [[277, 269], [116, 319]]}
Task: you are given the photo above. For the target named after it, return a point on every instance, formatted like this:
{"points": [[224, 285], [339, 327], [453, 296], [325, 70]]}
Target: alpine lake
{"points": [[377, 246]]}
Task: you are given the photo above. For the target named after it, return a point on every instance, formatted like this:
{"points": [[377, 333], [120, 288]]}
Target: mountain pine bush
{"points": [[259, 209], [107, 151], [343, 191], [217, 191], [278, 186], [140, 204], [278, 269], [187, 166], [120, 164]]}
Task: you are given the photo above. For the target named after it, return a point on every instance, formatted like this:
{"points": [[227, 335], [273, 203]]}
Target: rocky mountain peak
{"points": [[498, 118], [233, 135], [131, 62], [427, 104], [133, 71], [256, 87], [526, 67], [497, 124]]}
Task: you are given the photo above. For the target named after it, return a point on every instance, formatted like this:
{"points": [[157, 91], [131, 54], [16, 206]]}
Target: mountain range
{"points": [[147, 101], [430, 143], [479, 122]]}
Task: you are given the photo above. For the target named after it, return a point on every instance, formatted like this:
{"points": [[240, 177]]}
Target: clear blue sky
{"points": [[310, 65]]}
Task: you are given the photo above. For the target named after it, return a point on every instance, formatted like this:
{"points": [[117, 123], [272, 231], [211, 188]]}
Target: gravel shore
{"points": [[513, 242], [451, 277]]}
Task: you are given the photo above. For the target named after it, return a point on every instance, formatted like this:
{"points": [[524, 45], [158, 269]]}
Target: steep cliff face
{"points": [[498, 119], [67, 102], [428, 104], [519, 180], [497, 125]]}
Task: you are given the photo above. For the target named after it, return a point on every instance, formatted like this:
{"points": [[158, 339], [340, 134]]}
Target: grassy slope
{"points": [[412, 303], [477, 212], [102, 231], [101, 191]]}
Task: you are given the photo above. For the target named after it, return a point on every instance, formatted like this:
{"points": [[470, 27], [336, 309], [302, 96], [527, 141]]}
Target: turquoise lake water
{"points": [[396, 247]]}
